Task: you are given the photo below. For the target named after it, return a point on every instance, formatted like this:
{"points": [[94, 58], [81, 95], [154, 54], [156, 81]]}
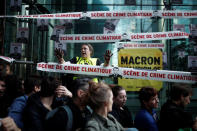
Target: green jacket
{"points": [[99, 123]]}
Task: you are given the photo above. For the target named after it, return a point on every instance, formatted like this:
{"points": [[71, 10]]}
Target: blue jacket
{"points": [[16, 110], [144, 121]]}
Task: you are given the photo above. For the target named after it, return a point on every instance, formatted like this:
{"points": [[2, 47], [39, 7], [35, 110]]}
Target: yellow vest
{"points": [[84, 61]]}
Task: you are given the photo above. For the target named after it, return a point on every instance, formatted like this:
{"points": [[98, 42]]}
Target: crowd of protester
{"points": [[45, 104], [94, 107]]}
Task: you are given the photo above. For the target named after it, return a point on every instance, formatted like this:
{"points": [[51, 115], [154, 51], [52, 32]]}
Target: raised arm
{"points": [[59, 54], [107, 57]]}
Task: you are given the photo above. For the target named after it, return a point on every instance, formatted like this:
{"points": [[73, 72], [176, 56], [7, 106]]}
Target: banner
{"points": [[16, 50], [75, 69], [42, 25], [130, 2], [57, 30], [127, 45], [22, 35], [179, 27], [15, 5], [8, 59], [96, 38], [160, 75], [142, 58], [177, 1], [62, 46], [166, 14], [110, 26], [193, 32], [74, 15], [192, 63], [66, 23]]}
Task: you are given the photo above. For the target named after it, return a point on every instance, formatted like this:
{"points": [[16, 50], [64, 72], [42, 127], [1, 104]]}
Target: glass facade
{"points": [[41, 48]]}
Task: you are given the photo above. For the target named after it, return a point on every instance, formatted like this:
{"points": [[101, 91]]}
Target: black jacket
{"points": [[34, 114], [59, 120], [122, 116], [173, 117]]}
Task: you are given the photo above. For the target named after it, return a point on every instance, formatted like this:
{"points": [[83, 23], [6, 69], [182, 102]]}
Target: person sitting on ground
{"points": [[39, 104], [146, 119], [173, 117], [31, 86], [119, 109], [13, 88], [78, 106], [101, 100]]}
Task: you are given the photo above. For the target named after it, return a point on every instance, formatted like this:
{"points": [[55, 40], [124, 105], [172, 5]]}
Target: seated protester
{"points": [[85, 59], [9, 90], [78, 106], [173, 116], [39, 104], [119, 110], [31, 86], [146, 118], [8, 124], [101, 100]]}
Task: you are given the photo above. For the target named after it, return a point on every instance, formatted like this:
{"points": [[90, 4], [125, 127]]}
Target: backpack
{"points": [[69, 114]]}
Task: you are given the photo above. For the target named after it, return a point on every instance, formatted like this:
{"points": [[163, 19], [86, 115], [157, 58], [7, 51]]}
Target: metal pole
{"points": [[28, 52], [46, 45], [2, 32], [41, 45], [24, 62]]}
